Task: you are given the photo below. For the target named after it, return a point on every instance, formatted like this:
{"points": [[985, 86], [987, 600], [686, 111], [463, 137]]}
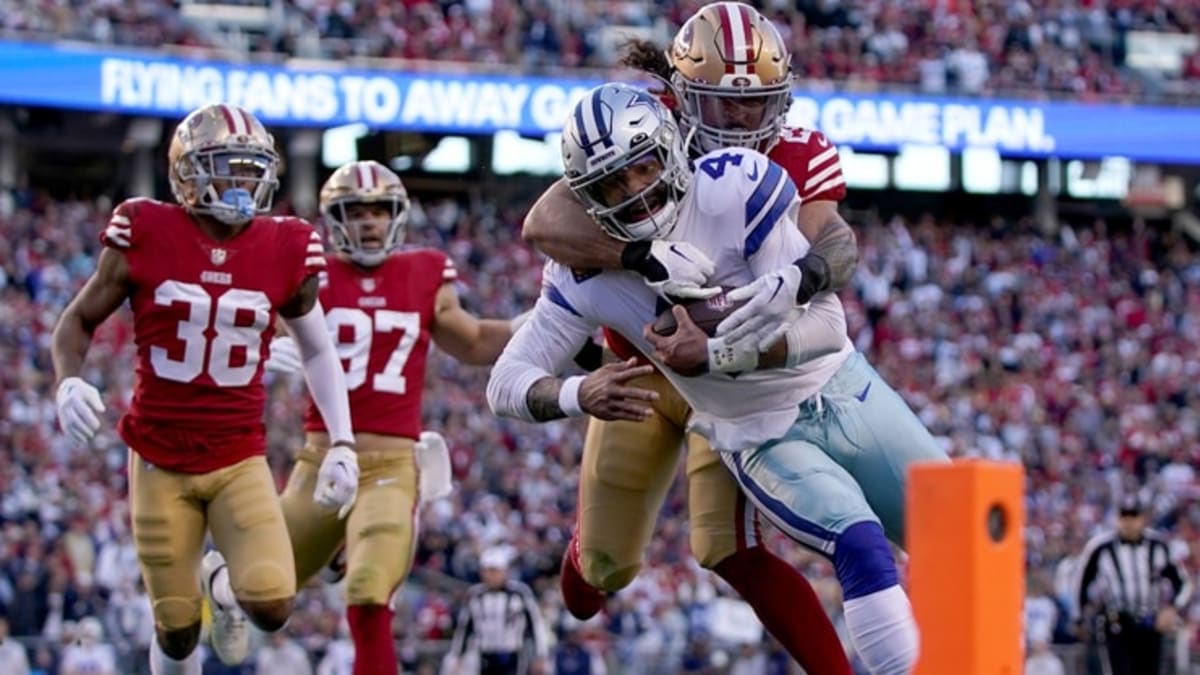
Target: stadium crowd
{"points": [[1055, 47], [1075, 353]]}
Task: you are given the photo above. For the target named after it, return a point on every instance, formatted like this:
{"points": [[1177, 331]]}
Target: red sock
{"points": [[374, 649], [581, 599], [788, 607]]}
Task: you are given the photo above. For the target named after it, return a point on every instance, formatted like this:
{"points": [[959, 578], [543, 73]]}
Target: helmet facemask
{"points": [[638, 198], [724, 116], [231, 183]]}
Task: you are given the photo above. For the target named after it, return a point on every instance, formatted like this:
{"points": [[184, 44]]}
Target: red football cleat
{"points": [[582, 599]]}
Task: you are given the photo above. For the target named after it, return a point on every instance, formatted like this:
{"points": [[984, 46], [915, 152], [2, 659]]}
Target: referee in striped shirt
{"points": [[1131, 592], [500, 621]]}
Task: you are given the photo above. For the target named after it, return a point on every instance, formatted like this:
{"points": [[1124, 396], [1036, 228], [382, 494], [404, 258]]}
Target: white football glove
{"points": [[770, 308], [284, 356], [675, 269], [78, 404], [337, 480], [433, 460]]}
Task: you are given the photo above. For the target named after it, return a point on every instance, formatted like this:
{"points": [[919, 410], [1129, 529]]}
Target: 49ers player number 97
{"points": [[386, 306], [381, 301]]}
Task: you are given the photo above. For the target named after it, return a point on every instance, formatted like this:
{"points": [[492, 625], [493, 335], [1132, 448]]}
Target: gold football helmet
{"points": [[734, 77], [222, 163], [366, 239]]}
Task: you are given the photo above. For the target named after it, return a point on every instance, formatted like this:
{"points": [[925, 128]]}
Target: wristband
{"points": [[636, 257], [728, 358], [568, 396], [814, 277], [633, 256], [349, 445]]}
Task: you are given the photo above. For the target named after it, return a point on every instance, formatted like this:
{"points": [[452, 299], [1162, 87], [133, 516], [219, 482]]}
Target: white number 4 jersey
{"points": [[741, 211]]}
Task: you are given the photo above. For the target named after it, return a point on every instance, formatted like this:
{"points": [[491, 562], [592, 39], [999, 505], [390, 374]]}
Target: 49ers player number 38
{"points": [[204, 312]]}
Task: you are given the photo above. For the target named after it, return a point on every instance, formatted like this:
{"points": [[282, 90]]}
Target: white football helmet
{"points": [[624, 158], [222, 163], [364, 182]]}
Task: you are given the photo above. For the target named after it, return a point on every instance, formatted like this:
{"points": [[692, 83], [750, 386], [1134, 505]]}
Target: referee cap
{"points": [[1131, 505], [494, 558]]}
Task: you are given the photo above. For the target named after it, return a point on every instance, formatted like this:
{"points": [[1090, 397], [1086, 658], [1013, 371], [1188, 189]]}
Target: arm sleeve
{"points": [[323, 372], [820, 330], [543, 347]]}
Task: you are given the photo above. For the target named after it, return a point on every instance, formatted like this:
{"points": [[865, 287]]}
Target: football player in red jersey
{"points": [[206, 279], [383, 309], [731, 80]]}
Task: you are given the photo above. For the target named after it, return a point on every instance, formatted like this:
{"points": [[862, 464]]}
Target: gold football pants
{"points": [[380, 532], [628, 467], [170, 513]]}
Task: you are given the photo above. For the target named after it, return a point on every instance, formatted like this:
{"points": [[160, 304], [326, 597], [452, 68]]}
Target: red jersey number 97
{"points": [[355, 331]]}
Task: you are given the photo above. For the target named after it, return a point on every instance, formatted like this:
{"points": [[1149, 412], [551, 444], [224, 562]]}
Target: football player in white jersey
{"points": [[815, 438], [731, 84], [731, 77]]}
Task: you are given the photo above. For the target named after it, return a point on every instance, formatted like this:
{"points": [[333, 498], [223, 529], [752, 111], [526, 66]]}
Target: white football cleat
{"points": [[229, 634]]}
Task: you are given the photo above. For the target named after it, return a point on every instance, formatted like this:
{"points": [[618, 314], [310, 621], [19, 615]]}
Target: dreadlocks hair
{"points": [[646, 56]]}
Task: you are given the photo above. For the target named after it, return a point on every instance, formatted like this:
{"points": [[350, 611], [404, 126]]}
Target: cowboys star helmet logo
{"points": [[218, 256]]}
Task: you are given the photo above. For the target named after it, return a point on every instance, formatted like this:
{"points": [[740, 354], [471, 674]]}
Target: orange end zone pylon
{"points": [[965, 527]]}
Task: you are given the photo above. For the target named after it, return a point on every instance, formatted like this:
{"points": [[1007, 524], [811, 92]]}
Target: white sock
{"points": [[222, 592], [883, 631], [161, 664]]}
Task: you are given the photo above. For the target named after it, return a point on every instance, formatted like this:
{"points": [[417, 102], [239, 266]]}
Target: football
{"points": [[707, 314]]}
